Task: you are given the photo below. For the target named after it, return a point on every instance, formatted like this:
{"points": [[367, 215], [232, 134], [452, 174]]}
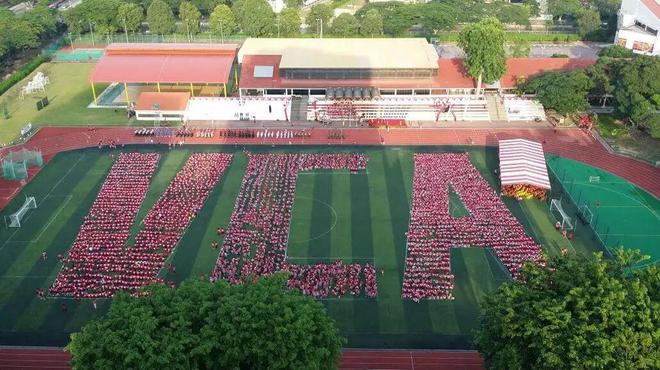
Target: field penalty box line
{"points": [[66, 174]]}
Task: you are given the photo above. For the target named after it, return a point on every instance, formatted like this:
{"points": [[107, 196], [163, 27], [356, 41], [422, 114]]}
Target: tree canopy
{"points": [[222, 20], [201, 325], [637, 86], [574, 313], [371, 24], [101, 15], [345, 25], [483, 43], [588, 22], [565, 92], [160, 18], [255, 17], [318, 12], [130, 16], [23, 32], [289, 22], [189, 16]]}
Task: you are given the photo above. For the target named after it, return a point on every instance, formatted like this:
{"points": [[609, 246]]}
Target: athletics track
{"points": [[24, 358], [570, 143]]}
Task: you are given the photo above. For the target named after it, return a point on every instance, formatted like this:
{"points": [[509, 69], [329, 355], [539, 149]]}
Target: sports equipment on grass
{"points": [[556, 208], [14, 219]]}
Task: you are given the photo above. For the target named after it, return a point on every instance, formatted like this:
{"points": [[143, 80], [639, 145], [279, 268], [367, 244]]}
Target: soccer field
{"points": [[360, 217]]}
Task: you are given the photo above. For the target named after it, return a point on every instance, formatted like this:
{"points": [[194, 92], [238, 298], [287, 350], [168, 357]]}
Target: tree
{"points": [[574, 313], [206, 6], [42, 19], [345, 25], [99, 15], [130, 16], [255, 17], [513, 14], [615, 51], [200, 325], [483, 43], [160, 18], [637, 82], [565, 92], [371, 24], [189, 16], [562, 8], [293, 4], [222, 20], [289, 22], [588, 22], [318, 14]]}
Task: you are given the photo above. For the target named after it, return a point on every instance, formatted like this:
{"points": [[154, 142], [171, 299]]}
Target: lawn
{"points": [[355, 217], [69, 94]]}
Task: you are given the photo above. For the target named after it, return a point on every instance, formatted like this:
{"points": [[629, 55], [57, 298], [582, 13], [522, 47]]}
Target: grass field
{"points": [[69, 93], [361, 217]]}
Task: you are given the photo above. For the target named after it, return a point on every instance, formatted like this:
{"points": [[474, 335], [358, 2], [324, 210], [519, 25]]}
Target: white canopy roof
{"points": [[522, 162]]}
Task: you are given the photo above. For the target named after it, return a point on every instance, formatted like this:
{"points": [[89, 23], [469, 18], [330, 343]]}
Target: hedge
{"points": [[518, 36], [22, 72]]}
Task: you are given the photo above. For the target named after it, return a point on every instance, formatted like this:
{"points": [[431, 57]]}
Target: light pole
{"points": [[321, 28], [278, 25], [91, 29], [125, 30], [222, 33], [188, 30]]}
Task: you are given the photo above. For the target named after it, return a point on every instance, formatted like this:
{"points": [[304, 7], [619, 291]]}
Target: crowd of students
{"points": [[433, 231], [104, 231], [257, 235], [322, 280], [97, 265]]}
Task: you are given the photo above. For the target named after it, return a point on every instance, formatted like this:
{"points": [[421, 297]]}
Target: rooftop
{"points": [[165, 63], [379, 53]]}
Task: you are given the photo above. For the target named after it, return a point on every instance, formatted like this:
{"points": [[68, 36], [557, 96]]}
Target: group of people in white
{"points": [[257, 235], [97, 265], [433, 231]]}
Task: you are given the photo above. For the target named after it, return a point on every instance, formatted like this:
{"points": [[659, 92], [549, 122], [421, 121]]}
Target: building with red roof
{"points": [[201, 69]]}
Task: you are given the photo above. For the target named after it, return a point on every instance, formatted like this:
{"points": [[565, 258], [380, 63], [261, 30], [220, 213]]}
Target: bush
{"points": [[22, 72], [615, 51]]}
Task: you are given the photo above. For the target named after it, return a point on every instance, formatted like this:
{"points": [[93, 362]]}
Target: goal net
{"points": [[557, 210], [585, 214], [14, 220], [15, 164], [594, 179]]}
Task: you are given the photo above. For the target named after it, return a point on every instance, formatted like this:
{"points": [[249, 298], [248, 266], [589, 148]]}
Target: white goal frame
{"points": [[14, 219], [566, 221]]}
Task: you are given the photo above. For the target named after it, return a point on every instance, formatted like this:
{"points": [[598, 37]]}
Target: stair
{"points": [[299, 108], [495, 107]]}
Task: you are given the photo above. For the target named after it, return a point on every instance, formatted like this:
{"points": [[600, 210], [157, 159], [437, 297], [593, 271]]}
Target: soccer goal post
{"points": [[594, 179], [563, 217], [585, 214], [14, 219]]}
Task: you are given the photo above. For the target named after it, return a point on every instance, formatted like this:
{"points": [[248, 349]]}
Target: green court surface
{"points": [[622, 214], [78, 55], [360, 217]]}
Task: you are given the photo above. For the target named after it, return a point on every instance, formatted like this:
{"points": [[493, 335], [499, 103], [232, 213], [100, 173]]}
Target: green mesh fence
{"points": [[15, 164]]}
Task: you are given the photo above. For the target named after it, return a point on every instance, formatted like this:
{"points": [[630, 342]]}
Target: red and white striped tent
{"points": [[522, 162]]}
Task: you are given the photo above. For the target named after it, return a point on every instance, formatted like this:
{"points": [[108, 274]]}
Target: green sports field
{"points": [[360, 217], [621, 214]]}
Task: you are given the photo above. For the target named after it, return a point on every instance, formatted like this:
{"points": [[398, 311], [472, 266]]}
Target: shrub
{"points": [[22, 72]]}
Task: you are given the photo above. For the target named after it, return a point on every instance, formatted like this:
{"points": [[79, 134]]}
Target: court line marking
{"points": [[624, 195], [334, 214], [44, 198], [52, 218]]}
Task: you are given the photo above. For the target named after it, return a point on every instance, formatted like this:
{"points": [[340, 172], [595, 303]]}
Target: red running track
{"points": [[22, 358], [570, 143]]}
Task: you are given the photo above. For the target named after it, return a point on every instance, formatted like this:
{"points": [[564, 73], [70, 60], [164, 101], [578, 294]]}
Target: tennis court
{"points": [[78, 55], [620, 213]]}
